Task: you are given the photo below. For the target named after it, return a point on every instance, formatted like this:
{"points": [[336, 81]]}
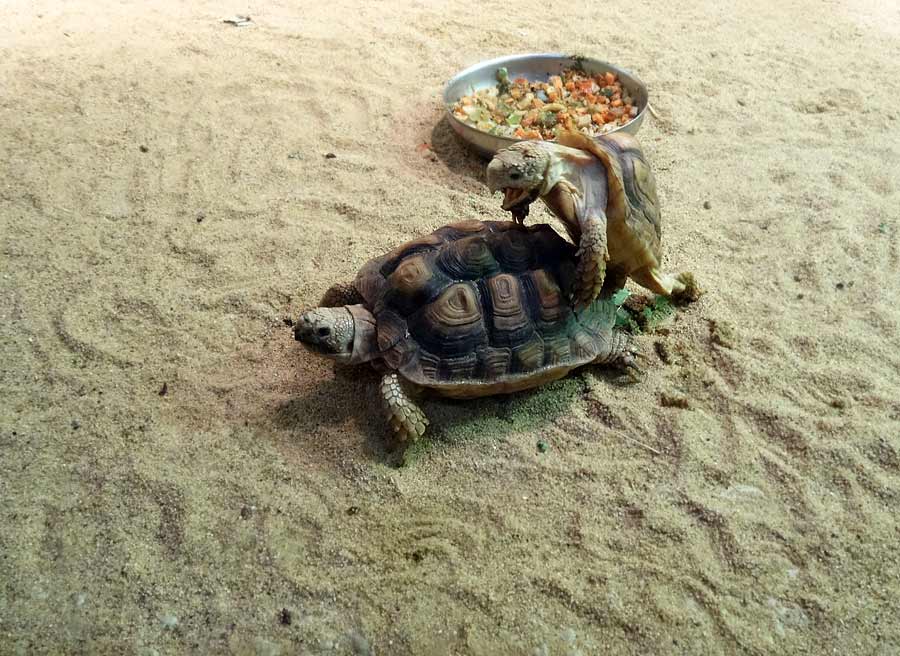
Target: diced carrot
{"points": [[552, 95], [520, 133], [610, 78], [527, 121], [603, 100], [616, 103], [597, 118], [570, 86], [520, 80]]}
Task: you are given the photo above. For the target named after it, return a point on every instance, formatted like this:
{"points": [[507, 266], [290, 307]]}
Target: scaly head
{"points": [[520, 171], [327, 331], [346, 334]]}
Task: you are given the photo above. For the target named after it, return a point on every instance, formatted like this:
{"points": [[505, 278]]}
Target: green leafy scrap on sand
{"points": [[638, 314]]}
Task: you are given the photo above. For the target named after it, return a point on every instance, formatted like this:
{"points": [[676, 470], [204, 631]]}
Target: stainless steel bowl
{"points": [[531, 67]]}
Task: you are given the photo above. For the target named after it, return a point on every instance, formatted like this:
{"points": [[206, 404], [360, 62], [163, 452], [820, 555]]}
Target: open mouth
{"points": [[514, 197]]}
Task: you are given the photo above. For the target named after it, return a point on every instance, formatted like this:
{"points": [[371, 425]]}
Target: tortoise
{"points": [[473, 309], [604, 192]]}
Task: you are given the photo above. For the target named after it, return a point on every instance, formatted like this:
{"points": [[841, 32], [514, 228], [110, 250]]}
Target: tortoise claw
{"points": [[628, 362]]}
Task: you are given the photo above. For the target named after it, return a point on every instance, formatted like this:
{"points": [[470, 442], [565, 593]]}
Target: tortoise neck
{"points": [[365, 335]]}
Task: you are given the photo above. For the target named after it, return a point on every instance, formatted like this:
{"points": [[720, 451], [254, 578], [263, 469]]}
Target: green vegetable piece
{"points": [[607, 91], [542, 446], [515, 118], [503, 80], [620, 297]]}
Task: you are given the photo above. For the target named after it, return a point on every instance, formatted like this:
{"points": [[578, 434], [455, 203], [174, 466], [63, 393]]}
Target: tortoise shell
{"points": [[484, 305], [632, 186]]}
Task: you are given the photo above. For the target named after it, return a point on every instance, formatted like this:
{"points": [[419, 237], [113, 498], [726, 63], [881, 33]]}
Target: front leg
{"points": [[341, 294], [404, 416], [592, 258]]}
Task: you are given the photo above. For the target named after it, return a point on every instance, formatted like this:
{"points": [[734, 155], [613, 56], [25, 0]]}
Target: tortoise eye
{"points": [[324, 332]]}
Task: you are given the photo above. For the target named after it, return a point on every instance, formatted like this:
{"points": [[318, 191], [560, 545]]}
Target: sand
{"points": [[178, 476]]}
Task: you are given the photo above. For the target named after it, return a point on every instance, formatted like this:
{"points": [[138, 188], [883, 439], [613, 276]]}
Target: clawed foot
{"points": [[690, 291], [625, 356]]}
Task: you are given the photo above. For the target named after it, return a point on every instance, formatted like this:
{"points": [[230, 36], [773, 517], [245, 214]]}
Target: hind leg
{"points": [[681, 287], [341, 294]]}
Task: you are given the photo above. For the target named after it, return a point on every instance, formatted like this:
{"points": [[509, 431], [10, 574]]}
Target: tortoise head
{"points": [[520, 172], [345, 334]]}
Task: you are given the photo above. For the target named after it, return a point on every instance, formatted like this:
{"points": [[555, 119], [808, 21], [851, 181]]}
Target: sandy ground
{"points": [[166, 202]]}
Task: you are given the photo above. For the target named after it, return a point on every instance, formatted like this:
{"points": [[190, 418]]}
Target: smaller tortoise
{"points": [[604, 193], [473, 309]]}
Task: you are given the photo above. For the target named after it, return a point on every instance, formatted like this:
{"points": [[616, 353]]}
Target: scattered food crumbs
{"points": [[330, 155], [295, 155], [247, 512], [840, 285], [200, 217], [799, 297], [353, 510], [144, 148], [707, 205], [76, 424], [164, 389], [542, 446], [741, 102], [839, 404], [668, 401], [288, 321], [286, 617]]}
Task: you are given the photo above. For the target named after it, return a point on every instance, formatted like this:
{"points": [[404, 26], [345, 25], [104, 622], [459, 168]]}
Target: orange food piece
{"points": [[610, 78], [528, 120], [537, 103], [556, 81], [603, 100], [616, 103], [597, 118], [520, 133], [552, 95], [520, 80], [465, 100], [570, 85]]}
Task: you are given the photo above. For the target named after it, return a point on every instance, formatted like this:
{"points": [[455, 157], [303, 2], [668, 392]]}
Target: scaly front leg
{"points": [[404, 416], [592, 258]]}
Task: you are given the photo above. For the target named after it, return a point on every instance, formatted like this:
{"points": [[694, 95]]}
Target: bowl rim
{"points": [[500, 61]]}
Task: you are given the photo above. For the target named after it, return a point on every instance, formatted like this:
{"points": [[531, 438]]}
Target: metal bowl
{"points": [[531, 67]]}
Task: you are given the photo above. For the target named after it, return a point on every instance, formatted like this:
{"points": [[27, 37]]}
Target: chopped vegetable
{"points": [[574, 100]]}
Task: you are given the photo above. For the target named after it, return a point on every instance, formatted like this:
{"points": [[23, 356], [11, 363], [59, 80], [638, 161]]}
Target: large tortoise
{"points": [[604, 192], [473, 309]]}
